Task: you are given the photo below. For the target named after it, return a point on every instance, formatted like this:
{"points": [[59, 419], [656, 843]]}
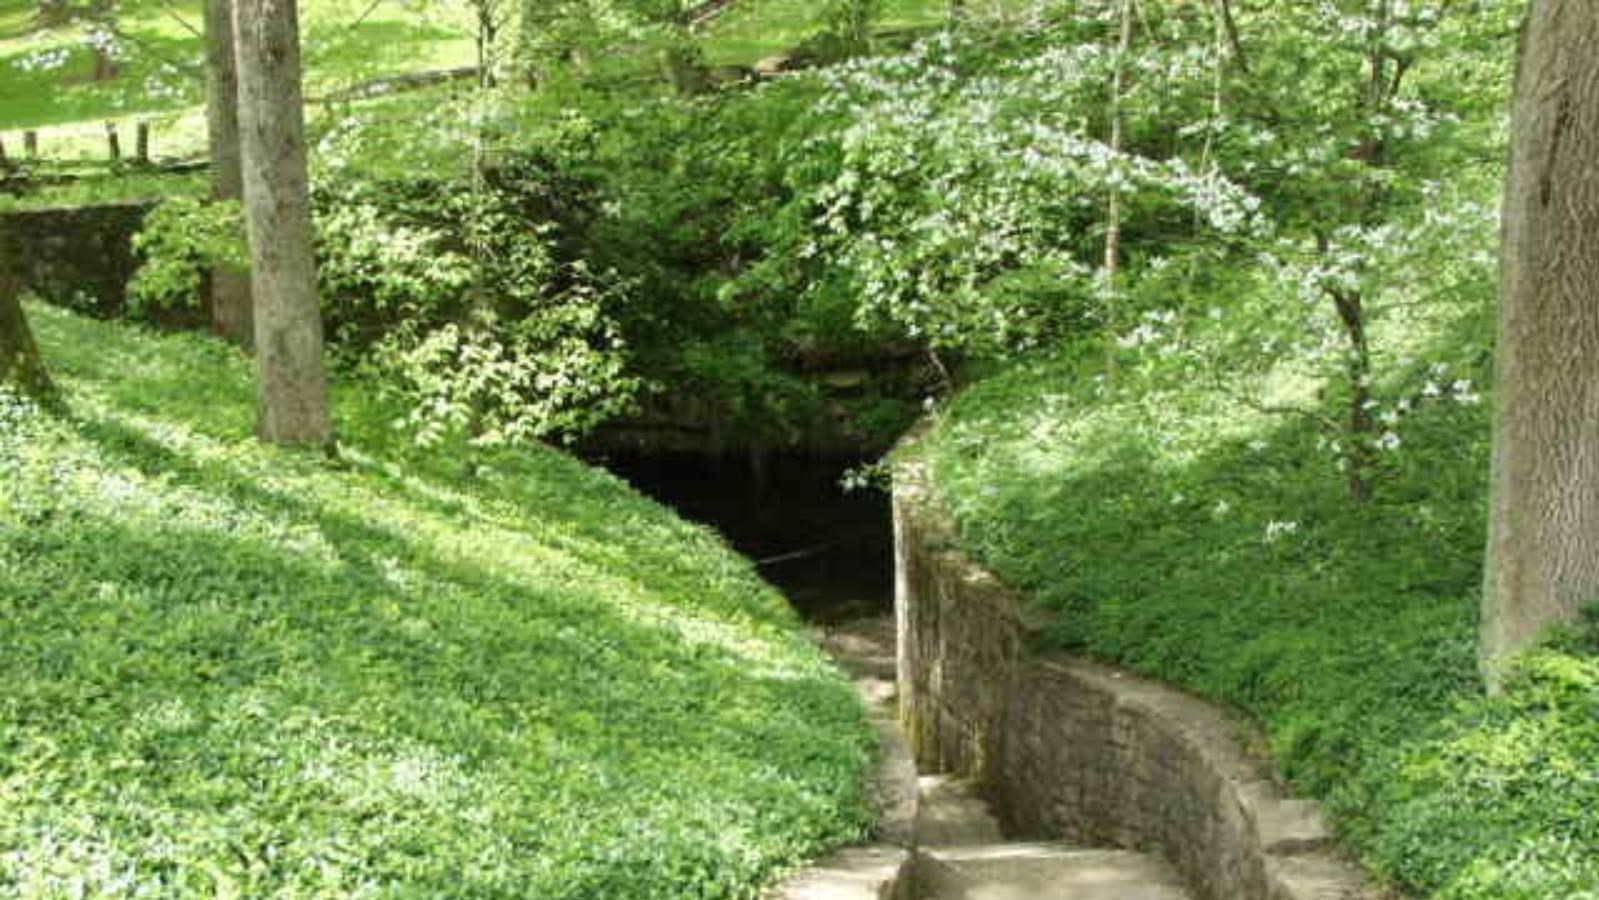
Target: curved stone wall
{"points": [[1071, 750]]}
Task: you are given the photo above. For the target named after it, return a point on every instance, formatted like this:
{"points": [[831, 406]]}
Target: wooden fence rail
{"points": [[115, 154]]}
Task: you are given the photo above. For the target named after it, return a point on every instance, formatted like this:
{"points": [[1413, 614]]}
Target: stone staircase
{"points": [[960, 854], [1043, 872], [941, 841]]}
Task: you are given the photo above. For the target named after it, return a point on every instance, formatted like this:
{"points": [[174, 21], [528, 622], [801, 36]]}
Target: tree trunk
{"points": [[228, 286], [104, 13], [20, 366], [1113, 205], [1543, 543], [1360, 460], [288, 316], [52, 12]]}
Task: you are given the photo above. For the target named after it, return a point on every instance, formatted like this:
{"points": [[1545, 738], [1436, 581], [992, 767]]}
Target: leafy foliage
{"points": [[1499, 802], [180, 240], [461, 303], [465, 307], [906, 158]]}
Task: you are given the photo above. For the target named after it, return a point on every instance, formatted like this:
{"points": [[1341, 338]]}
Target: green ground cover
{"points": [[110, 189], [1201, 540], [237, 671]]}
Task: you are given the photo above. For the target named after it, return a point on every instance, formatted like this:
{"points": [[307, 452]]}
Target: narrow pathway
{"points": [[959, 850]]}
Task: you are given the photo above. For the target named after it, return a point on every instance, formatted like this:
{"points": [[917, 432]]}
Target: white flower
{"points": [[1388, 441], [1276, 529]]}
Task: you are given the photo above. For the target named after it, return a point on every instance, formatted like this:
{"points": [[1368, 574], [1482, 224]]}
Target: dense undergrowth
{"points": [[236, 671], [1185, 533]]}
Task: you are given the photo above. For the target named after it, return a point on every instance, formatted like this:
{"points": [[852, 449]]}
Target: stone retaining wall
{"points": [[1075, 751], [78, 257]]}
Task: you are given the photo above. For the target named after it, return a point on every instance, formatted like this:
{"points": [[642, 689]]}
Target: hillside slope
{"points": [[234, 671], [1190, 535]]}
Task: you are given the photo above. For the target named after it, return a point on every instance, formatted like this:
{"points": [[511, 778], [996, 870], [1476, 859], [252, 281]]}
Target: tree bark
{"points": [[21, 368], [53, 12], [288, 316], [1113, 205], [1543, 543], [228, 286], [104, 13]]}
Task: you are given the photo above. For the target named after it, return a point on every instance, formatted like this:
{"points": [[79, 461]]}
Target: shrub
{"points": [[181, 239]]}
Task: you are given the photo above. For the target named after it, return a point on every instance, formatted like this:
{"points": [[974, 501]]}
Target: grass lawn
{"points": [[236, 671], [162, 74]]}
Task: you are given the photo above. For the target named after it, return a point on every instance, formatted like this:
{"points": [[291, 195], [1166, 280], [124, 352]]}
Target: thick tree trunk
{"points": [[20, 366], [229, 286], [1543, 545], [288, 316]]}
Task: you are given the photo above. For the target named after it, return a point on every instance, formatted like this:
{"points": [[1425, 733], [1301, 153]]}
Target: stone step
{"points": [[951, 814], [1043, 871], [854, 873], [865, 648]]}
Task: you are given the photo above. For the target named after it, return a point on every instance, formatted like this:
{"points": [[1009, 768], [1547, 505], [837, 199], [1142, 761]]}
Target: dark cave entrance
{"points": [[830, 551]]}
